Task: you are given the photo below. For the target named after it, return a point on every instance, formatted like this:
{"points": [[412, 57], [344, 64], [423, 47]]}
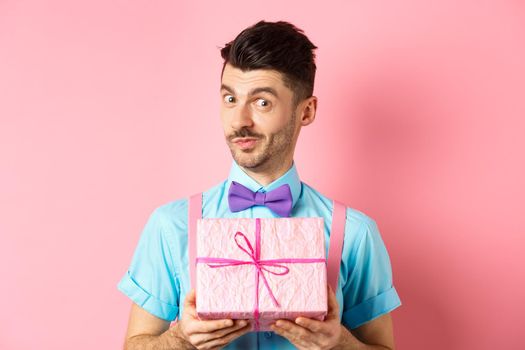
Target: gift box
{"points": [[261, 269]]}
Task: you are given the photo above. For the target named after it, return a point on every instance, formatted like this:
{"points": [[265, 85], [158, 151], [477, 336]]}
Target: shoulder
{"points": [[173, 215], [167, 220], [358, 224], [171, 212]]}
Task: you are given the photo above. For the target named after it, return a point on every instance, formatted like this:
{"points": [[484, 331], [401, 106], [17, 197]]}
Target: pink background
{"points": [[109, 109]]}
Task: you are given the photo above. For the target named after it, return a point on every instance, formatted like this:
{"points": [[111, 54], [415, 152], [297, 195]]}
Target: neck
{"points": [[270, 173]]}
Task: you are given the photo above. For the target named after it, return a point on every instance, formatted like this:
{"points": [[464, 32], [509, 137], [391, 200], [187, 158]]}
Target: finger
{"points": [[204, 337], [208, 326], [333, 305], [312, 325], [223, 341], [189, 300], [292, 328], [189, 305], [297, 335]]}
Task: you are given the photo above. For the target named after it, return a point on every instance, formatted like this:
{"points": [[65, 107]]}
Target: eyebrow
{"points": [[252, 92]]}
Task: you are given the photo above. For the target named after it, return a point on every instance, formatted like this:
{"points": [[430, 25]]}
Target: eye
{"points": [[262, 102], [229, 99]]}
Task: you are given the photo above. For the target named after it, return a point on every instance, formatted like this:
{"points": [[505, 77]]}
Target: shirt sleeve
{"points": [[368, 292], [151, 280]]}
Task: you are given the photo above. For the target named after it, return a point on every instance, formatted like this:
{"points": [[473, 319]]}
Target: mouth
{"points": [[245, 142]]}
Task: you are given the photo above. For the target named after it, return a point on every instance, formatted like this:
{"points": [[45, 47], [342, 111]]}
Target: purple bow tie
{"points": [[279, 200]]}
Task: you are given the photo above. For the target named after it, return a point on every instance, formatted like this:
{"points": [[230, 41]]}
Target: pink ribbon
{"points": [[259, 265]]}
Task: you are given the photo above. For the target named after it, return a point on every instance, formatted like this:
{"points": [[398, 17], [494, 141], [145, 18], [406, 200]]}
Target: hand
{"points": [[207, 334], [307, 333]]}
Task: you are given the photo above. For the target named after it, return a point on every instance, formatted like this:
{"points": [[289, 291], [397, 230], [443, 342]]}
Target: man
{"points": [[267, 96]]}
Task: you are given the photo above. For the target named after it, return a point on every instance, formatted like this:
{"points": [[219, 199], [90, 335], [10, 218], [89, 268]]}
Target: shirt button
{"points": [[267, 334]]}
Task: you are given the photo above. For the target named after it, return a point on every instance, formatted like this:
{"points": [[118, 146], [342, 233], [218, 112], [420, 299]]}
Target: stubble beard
{"points": [[267, 154]]}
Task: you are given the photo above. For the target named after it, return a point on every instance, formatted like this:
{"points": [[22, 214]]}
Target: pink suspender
{"points": [[334, 252], [195, 213], [337, 234]]}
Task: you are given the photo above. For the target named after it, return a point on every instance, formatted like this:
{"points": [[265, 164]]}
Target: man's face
{"points": [[258, 117]]}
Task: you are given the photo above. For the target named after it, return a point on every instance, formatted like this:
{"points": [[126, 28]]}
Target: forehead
{"points": [[243, 82]]}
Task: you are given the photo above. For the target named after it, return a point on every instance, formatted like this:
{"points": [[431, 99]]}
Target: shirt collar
{"points": [[291, 177]]}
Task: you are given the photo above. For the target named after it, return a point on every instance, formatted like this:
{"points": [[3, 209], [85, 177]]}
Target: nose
{"points": [[242, 117]]}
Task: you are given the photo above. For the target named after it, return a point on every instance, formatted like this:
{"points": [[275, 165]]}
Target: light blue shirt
{"points": [[158, 277]]}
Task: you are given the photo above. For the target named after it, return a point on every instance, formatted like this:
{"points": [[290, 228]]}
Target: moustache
{"points": [[243, 134]]}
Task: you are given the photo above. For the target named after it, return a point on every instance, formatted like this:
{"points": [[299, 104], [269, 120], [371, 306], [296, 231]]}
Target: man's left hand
{"points": [[307, 333]]}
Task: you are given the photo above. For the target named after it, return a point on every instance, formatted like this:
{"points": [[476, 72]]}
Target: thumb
{"points": [[189, 300], [333, 305]]}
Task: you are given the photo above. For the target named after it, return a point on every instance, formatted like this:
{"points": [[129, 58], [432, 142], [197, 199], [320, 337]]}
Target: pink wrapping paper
{"points": [[230, 291]]}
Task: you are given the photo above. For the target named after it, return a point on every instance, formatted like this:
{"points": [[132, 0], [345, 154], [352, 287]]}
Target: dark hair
{"points": [[279, 46]]}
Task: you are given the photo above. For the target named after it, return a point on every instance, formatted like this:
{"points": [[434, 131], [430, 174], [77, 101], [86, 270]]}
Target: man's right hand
{"points": [[207, 334]]}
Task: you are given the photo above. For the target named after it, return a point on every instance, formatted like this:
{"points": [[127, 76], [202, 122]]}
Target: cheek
{"points": [[272, 124]]}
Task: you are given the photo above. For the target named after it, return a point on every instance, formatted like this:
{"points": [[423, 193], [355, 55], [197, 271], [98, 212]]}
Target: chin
{"points": [[246, 160]]}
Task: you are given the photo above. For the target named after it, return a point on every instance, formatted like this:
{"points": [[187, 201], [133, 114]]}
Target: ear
{"points": [[308, 108]]}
